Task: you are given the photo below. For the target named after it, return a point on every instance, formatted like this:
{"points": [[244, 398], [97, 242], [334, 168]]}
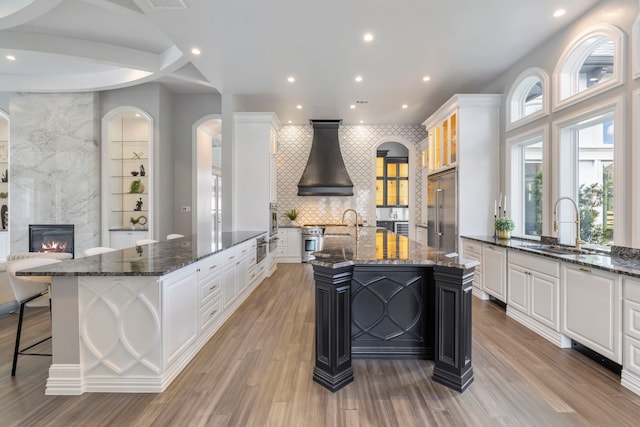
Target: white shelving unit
{"points": [[127, 176]]}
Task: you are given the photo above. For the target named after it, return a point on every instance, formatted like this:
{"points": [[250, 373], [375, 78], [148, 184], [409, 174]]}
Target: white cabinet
{"points": [[230, 278], [592, 309], [127, 172], [210, 285], [631, 334], [180, 312], [255, 169], [289, 244], [126, 239], [494, 271], [472, 250], [464, 134], [533, 295]]}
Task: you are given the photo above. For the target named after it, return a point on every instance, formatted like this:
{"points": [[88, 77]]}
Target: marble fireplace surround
{"points": [[54, 169]]}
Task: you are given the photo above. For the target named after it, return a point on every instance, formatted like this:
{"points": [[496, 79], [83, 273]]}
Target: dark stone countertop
{"points": [[629, 266], [155, 259], [377, 246]]}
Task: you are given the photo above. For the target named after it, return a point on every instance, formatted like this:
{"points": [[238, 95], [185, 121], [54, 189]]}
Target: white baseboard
{"points": [[65, 380], [545, 332]]}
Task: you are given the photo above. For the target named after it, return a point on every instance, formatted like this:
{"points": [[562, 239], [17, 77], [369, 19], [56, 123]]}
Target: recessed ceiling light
{"points": [[290, 121], [368, 37], [358, 79], [352, 106], [195, 51], [405, 106], [361, 121], [299, 107], [426, 78], [137, 114], [291, 79], [558, 13], [11, 57]]}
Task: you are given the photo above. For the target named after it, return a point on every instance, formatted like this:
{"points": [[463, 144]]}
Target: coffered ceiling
{"points": [[249, 48]]}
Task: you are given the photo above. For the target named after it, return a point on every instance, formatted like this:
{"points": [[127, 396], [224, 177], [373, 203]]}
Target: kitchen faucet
{"points": [[579, 241], [355, 212]]}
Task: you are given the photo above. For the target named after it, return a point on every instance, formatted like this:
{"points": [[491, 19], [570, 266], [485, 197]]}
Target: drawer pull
{"points": [[212, 267], [244, 250], [198, 269], [212, 287], [238, 263], [232, 257], [586, 270], [213, 312]]}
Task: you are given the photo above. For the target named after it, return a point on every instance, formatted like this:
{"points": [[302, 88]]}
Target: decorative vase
{"points": [[294, 223], [504, 234]]}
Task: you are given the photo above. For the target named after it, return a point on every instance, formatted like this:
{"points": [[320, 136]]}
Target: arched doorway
{"points": [[207, 197]]}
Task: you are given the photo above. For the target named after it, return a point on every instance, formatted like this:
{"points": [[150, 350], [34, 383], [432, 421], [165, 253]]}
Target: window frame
{"points": [[514, 184], [519, 89], [617, 107], [574, 56]]}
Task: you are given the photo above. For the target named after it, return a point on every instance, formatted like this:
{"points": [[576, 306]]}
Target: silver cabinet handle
{"points": [[586, 270], [212, 267], [212, 287]]}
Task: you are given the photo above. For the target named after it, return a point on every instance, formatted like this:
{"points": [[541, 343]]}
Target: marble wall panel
{"points": [[54, 168]]}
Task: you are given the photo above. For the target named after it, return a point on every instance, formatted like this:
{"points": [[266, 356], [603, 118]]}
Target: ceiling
{"points": [[250, 47]]}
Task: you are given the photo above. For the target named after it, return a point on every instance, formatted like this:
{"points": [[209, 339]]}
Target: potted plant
{"points": [[292, 215], [504, 225]]}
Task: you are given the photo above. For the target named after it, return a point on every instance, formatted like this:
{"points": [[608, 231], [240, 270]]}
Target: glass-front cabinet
{"points": [[443, 144], [127, 176], [392, 181]]}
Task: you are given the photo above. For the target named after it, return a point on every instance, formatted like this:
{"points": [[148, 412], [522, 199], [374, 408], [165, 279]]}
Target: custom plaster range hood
{"points": [[325, 173]]}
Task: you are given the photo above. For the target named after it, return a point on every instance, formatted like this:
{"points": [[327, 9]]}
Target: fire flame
{"points": [[54, 246]]}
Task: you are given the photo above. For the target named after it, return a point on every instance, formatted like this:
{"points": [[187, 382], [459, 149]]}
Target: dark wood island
{"points": [[381, 295]]}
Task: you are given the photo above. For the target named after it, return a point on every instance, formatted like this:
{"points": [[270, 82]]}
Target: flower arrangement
{"points": [[504, 225], [292, 215]]}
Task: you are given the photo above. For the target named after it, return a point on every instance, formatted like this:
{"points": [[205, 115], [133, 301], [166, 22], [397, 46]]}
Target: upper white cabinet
{"points": [[127, 181], [465, 133], [255, 139]]}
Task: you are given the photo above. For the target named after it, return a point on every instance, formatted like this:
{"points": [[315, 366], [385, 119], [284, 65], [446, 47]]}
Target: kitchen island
{"points": [[381, 295], [132, 319]]}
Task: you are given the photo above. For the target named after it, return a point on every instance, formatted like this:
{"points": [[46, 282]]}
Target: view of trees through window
{"points": [[532, 191]]}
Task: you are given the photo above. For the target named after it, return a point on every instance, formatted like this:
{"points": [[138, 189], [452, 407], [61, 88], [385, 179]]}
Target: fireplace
{"points": [[51, 238]]}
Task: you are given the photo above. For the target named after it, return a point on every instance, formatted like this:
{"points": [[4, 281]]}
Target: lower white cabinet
{"points": [[592, 309], [533, 295], [125, 239], [4, 245], [230, 280], [631, 334], [494, 271], [289, 244], [180, 314], [472, 250]]}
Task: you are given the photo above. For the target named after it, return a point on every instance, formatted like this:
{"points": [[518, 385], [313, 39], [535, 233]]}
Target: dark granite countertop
{"points": [[377, 246], [629, 266], [155, 259]]}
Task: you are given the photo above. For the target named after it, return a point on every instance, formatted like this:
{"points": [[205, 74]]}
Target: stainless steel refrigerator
{"points": [[442, 213]]}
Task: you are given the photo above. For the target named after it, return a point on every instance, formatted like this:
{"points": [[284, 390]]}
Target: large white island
{"points": [[131, 320]]}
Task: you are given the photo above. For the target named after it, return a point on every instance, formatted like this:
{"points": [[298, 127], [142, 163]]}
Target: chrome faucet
{"points": [[579, 241], [355, 212]]}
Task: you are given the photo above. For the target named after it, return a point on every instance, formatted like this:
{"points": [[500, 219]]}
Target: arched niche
{"points": [[528, 98], [592, 64]]}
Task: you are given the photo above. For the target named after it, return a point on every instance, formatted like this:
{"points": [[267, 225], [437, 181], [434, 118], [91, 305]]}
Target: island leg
{"points": [[333, 326], [453, 327]]}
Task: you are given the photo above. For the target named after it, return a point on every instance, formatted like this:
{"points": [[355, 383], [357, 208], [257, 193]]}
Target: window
{"points": [[527, 99], [526, 184], [587, 175], [592, 64]]}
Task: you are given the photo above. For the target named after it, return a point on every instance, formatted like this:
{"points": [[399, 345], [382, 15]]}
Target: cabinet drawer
{"points": [[532, 262], [256, 272], [210, 287], [632, 318], [474, 257], [211, 265], [210, 313], [472, 247], [632, 290], [230, 256]]}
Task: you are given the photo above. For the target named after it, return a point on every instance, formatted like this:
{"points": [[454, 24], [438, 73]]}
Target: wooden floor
{"points": [[257, 371]]}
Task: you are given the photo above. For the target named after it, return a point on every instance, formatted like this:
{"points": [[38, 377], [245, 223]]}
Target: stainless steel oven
{"points": [[311, 241], [273, 219], [261, 249]]}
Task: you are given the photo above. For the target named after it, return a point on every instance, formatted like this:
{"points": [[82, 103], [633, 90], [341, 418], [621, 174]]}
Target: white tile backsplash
{"points": [[358, 145]]}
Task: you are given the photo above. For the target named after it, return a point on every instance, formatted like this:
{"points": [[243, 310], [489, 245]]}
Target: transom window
{"points": [[527, 99]]}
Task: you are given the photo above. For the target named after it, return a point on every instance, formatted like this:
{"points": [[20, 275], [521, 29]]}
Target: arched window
{"points": [[590, 65], [527, 99]]}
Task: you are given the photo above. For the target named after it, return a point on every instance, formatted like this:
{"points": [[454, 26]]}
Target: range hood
{"points": [[325, 174]]}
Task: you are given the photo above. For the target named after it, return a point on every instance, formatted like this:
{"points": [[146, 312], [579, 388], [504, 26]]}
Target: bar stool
{"points": [[145, 242], [174, 236], [97, 250], [30, 291]]}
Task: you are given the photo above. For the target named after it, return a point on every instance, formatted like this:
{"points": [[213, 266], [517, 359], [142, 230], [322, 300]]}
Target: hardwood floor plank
{"points": [[257, 371]]}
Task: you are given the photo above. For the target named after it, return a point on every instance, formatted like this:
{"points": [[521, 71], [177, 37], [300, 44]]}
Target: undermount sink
{"points": [[560, 250]]}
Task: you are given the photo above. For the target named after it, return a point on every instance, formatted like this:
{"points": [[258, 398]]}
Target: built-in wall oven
{"points": [[273, 219], [261, 249], [311, 241]]}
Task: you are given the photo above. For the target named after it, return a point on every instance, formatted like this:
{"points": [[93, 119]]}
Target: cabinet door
{"points": [[119, 240], [180, 313], [518, 280], [294, 242], [544, 299], [494, 270], [229, 284], [243, 270], [591, 309]]}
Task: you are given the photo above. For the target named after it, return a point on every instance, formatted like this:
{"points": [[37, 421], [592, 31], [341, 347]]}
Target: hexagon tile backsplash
{"points": [[358, 146]]}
